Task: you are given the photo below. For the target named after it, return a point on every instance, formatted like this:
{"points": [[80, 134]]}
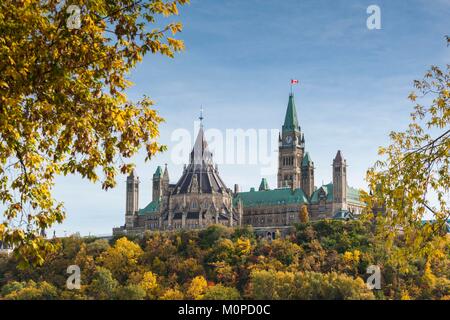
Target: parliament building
{"points": [[201, 198]]}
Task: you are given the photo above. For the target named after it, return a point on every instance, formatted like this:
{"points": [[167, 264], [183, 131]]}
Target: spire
{"points": [[290, 120], [338, 158], [201, 117], [200, 154], [166, 173], [306, 162], [264, 185], [158, 173]]}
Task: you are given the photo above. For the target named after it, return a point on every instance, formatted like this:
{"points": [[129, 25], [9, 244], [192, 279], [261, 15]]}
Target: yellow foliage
{"points": [[172, 294], [405, 295], [243, 246], [197, 288], [122, 259], [304, 215], [64, 90], [149, 282]]}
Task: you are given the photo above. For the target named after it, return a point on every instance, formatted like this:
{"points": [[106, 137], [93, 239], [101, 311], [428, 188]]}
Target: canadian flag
{"points": [[294, 81]]}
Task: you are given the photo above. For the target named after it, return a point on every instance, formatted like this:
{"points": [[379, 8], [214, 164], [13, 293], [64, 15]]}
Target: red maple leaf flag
{"points": [[294, 81]]}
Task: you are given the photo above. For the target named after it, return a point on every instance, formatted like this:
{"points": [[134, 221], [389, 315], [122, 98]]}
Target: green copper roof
{"points": [[290, 120], [328, 189], [353, 195], [151, 208], [306, 160], [264, 185], [272, 197], [158, 172]]}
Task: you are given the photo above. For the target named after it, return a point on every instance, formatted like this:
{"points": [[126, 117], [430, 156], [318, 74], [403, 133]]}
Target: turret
{"points": [[157, 184], [165, 181], [339, 183], [132, 199], [307, 175], [264, 186]]}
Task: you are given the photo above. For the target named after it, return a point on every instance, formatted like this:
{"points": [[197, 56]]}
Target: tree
{"points": [[32, 291], [329, 286], [149, 283], [304, 214], [220, 292], [243, 246], [172, 294], [270, 285], [97, 247], [285, 251], [412, 181], [197, 288], [130, 292], [122, 259], [306, 286], [63, 109], [103, 286]]}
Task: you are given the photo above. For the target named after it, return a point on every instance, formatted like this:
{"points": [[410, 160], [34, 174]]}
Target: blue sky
{"points": [[239, 58]]}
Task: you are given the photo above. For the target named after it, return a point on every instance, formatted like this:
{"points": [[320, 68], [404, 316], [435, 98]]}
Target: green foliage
{"points": [[212, 234], [31, 291], [219, 292], [274, 285], [130, 292], [103, 286], [319, 260]]}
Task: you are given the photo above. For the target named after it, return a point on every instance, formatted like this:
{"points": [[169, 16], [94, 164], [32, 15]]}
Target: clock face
{"points": [[288, 139]]}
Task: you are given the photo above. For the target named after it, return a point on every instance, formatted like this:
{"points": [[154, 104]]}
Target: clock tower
{"points": [[291, 149]]}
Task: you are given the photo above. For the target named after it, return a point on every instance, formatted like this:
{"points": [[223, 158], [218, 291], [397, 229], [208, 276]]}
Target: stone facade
{"points": [[200, 198]]}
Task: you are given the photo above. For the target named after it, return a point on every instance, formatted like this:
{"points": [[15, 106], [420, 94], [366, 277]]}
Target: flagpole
{"points": [[291, 87]]}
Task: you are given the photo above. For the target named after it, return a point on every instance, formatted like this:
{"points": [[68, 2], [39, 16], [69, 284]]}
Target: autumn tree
{"points": [[63, 107], [103, 285], [220, 292], [197, 288], [304, 214], [411, 183], [172, 294], [149, 283], [32, 291], [122, 259]]}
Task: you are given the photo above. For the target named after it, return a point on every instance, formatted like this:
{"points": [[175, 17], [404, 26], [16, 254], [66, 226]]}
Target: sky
{"points": [[238, 62]]}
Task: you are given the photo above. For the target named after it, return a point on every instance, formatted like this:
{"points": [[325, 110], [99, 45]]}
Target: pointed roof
{"points": [[200, 154], [200, 175], [166, 173], [306, 160], [339, 158], [290, 120], [158, 172], [264, 185]]}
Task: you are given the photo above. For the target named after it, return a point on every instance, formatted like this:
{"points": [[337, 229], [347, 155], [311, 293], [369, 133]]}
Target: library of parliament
{"points": [[200, 197]]}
